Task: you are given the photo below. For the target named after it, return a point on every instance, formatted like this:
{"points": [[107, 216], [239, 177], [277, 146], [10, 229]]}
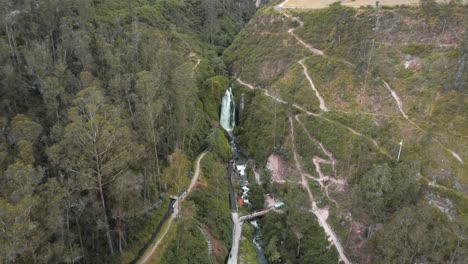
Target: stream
{"points": [[227, 120], [241, 167]]}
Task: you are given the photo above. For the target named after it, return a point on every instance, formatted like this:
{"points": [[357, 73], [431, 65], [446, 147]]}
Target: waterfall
{"points": [[228, 111]]}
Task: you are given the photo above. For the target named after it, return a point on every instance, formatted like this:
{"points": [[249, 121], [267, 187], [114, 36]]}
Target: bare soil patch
{"points": [[278, 168]]}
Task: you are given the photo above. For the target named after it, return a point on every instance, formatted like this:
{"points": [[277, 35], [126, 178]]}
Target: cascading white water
{"points": [[228, 111]]}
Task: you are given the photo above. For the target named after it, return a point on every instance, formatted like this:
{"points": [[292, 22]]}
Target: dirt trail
{"points": [[366, 113], [168, 226], [324, 180], [397, 99], [399, 102], [265, 91], [315, 51], [332, 160], [196, 64], [374, 142], [257, 177], [400, 108], [323, 107], [307, 46], [320, 213], [207, 239], [176, 210], [193, 54], [305, 111]]}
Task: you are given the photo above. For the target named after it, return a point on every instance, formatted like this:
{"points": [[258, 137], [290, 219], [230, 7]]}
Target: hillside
{"points": [[233, 131], [346, 87]]}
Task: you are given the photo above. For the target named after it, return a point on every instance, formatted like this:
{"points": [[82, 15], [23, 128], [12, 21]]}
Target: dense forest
{"points": [[107, 104], [96, 96]]}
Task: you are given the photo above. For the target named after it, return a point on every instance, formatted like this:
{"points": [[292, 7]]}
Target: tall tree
{"points": [[96, 149], [150, 105]]}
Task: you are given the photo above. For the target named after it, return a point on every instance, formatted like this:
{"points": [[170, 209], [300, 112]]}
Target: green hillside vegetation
{"points": [[363, 48], [264, 125], [203, 208], [298, 90], [189, 245], [98, 98], [303, 241], [263, 62]]}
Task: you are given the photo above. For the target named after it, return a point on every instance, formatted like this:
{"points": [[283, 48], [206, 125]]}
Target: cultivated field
{"points": [[315, 4]]}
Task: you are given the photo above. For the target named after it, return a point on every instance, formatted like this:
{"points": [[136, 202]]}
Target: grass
{"points": [[349, 78]]}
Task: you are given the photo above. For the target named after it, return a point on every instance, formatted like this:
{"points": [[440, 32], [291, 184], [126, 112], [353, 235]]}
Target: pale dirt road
{"points": [[307, 46], [250, 86], [148, 255], [323, 107], [329, 180], [324, 3], [265, 91], [314, 51], [320, 213]]}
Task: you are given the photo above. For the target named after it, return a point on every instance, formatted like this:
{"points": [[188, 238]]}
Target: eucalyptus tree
{"points": [[97, 148], [31, 218], [149, 108]]}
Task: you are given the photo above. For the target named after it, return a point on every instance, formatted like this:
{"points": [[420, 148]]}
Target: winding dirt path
{"points": [[320, 213], [315, 51], [207, 240], [323, 107], [265, 91], [373, 141], [174, 214], [325, 180], [303, 43]]}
